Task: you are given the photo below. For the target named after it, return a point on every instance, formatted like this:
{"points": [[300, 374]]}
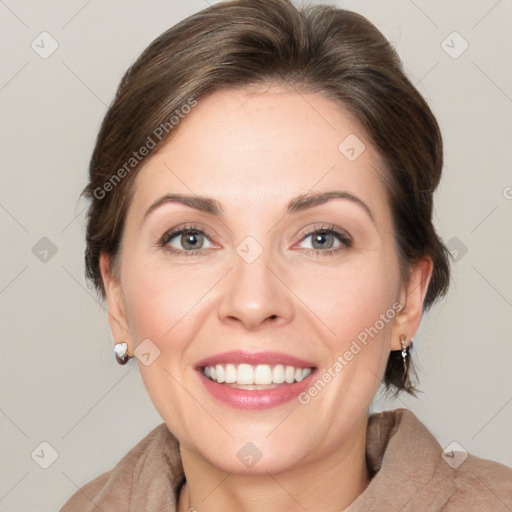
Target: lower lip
{"points": [[256, 398]]}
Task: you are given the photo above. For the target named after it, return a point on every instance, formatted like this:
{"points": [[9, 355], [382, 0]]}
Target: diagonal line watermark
{"points": [[13, 279], [491, 491], [170, 170], [5, 495], [287, 492], [214, 489], [307, 192], [485, 15], [493, 287], [418, 492], [83, 288], [311, 105], [72, 220], [102, 306], [76, 14], [427, 73], [14, 218], [503, 407], [199, 403], [491, 80], [96, 507], [492, 211], [327, 327], [424, 13], [71, 71], [104, 395], [13, 13], [286, 417], [14, 76], [13, 423], [198, 301]]}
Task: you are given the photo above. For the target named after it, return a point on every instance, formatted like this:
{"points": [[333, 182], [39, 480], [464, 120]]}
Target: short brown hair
{"points": [[242, 43]]}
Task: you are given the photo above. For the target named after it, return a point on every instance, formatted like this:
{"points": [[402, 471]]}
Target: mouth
{"points": [[255, 381], [251, 377]]}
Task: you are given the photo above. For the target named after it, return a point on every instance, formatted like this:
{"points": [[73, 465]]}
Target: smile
{"points": [[254, 381], [255, 377]]}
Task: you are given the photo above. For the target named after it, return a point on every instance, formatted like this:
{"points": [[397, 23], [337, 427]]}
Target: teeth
{"points": [[278, 374], [219, 372], [245, 374], [289, 374], [261, 374], [229, 374]]}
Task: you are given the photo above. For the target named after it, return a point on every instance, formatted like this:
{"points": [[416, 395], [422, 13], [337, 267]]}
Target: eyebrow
{"points": [[297, 204]]}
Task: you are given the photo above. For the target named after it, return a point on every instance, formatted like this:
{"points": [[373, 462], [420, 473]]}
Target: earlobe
{"points": [[117, 318], [407, 321]]}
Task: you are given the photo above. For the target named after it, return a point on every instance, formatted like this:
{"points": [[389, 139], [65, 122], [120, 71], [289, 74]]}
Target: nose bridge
{"points": [[254, 292]]}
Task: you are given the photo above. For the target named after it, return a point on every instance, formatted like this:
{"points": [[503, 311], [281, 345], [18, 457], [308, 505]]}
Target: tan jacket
{"points": [[411, 475]]}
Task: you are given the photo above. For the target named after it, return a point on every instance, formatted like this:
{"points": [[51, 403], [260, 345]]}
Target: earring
{"points": [[121, 352], [404, 352]]}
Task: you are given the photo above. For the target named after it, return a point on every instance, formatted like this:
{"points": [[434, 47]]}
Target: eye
{"points": [[186, 241], [189, 240], [324, 239]]}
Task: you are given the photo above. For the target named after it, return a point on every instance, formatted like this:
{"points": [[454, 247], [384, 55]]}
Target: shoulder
{"points": [[113, 489], [468, 482], [412, 471], [480, 484]]}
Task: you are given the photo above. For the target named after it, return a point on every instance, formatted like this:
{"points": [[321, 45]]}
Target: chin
{"points": [[247, 459]]}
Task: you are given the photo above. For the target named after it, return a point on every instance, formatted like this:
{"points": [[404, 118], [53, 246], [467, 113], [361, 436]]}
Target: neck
{"points": [[327, 484]]}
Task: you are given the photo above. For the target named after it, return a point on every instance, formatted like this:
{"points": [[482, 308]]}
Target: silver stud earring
{"points": [[121, 352]]}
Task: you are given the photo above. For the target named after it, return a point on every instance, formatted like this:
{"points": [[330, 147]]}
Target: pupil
{"points": [[192, 239], [320, 238]]}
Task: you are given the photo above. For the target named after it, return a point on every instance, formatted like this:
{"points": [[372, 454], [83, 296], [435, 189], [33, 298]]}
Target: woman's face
{"points": [[257, 286]]}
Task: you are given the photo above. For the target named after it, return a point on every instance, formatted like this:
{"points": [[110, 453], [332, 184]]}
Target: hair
{"points": [[256, 43]]}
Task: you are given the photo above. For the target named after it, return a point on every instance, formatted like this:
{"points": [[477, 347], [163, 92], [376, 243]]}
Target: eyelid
{"points": [[178, 230], [325, 227], [344, 238]]}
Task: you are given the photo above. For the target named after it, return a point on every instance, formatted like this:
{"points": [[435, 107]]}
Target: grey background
{"points": [[60, 383]]}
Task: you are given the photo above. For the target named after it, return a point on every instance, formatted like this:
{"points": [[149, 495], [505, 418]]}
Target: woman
{"points": [[261, 228]]}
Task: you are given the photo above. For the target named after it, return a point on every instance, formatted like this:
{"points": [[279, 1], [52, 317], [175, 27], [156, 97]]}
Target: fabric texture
{"points": [[410, 475]]}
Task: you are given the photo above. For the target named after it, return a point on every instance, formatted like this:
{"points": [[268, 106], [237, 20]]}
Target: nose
{"points": [[255, 295]]}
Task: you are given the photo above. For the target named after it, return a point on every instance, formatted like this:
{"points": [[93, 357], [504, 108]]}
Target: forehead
{"points": [[261, 149]]}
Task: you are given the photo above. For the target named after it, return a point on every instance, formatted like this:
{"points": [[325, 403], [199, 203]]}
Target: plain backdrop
{"points": [[64, 402]]}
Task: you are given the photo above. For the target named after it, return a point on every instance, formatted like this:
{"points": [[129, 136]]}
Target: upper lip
{"points": [[254, 358]]}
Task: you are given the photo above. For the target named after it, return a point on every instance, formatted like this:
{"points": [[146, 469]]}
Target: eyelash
{"points": [[327, 229]]}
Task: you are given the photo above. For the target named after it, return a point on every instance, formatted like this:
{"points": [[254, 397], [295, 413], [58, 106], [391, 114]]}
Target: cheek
{"points": [[162, 301], [352, 299], [151, 307], [163, 306]]}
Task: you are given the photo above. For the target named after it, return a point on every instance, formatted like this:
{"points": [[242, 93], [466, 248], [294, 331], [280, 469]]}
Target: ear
{"points": [[117, 318], [412, 295]]}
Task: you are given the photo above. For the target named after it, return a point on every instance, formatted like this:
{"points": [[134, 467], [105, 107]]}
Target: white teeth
{"points": [[263, 374], [290, 374], [259, 375], [229, 374], [301, 374], [278, 374], [219, 370], [245, 374]]}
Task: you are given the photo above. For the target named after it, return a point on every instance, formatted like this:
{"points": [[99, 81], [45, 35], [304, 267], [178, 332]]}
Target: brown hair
{"points": [[243, 43]]}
